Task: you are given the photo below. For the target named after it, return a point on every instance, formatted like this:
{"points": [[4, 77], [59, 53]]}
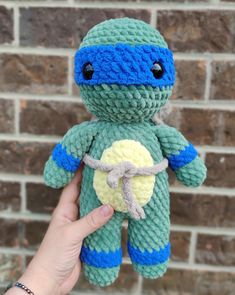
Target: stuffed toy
{"points": [[126, 74]]}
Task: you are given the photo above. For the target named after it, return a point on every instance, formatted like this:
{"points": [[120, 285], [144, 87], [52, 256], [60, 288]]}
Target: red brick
{"points": [[202, 210], [6, 25], [9, 196], [180, 242], [190, 80], [53, 118], [186, 282], [66, 27], [204, 127], [223, 80], [216, 250], [7, 116], [24, 157], [34, 233], [221, 170], [198, 31], [9, 233], [33, 74], [40, 198]]}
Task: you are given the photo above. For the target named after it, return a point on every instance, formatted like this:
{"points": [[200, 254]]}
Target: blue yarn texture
{"points": [[149, 258], [101, 259], [124, 64], [184, 157], [64, 160]]}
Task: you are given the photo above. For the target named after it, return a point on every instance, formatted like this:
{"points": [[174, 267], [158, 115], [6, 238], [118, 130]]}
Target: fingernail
{"points": [[105, 210]]}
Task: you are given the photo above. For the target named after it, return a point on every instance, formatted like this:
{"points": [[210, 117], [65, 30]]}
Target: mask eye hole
{"points": [[157, 70], [87, 71]]}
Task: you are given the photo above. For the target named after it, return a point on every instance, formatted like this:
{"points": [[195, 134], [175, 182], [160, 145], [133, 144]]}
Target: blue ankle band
{"points": [[149, 258], [185, 156], [124, 64], [64, 160], [101, 259]]}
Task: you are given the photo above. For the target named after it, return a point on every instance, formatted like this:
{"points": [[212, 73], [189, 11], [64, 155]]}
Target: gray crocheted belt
{"points": [[126, 170]]}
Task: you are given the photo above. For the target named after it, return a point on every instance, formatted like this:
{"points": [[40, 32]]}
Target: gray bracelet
{"points": [[21, 286]]}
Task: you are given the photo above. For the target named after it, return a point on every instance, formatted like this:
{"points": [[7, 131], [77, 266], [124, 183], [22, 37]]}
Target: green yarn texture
{"points": [[123, 30], [125, 112]]}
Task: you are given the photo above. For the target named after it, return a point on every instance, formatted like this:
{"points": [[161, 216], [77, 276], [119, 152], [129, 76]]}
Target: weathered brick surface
{"points": [[198, 31], [9, 233], [191, 282], [10, 268], [54, 118], [216, 250], [223, 80], [40, 198], [34, 233], [180, 242], [190, 80], [202, 210], [205, 127], [6, 25], [221, 170], [7, 116], [23, 157], [33, 74], [40, 69], [65, 27], [9, 196]]}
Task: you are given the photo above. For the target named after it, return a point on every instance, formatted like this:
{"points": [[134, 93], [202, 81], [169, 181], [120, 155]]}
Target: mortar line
{"points": [[41, 97], [192, 248], [70, 75], [202, 267], [208, 80], [139, 286], [204, 190], [16, 117], [203, 230], [153, 19], [124, 4], [16, 32], [225, 105], [23, 207]]}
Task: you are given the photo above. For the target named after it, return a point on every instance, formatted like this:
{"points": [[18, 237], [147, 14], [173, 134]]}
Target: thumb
{"points": [[91, 222]]}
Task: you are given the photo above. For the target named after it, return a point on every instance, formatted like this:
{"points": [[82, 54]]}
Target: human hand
{"points": [[56, 266]]}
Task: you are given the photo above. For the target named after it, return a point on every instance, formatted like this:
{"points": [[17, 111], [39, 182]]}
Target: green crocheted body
{"points": [[124, 112]]}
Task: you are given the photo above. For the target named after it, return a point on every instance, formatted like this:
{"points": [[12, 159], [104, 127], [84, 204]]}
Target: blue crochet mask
{"points": [[124, 64]]}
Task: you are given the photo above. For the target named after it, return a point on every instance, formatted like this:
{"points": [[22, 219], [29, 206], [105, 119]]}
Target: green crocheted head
{"points": [[125, 70]]}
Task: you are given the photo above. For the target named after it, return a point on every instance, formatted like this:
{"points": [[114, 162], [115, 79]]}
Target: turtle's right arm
{"points": [[67, 155]]}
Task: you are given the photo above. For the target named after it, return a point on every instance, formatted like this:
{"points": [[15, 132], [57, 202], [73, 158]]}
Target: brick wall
{"points": [[39, 102]]}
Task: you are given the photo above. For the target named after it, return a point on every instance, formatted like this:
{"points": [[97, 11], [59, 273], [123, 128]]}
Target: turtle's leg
{"points": [[148, 239], [101, 252]]}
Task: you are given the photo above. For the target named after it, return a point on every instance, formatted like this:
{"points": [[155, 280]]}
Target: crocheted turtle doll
{"points": [[126, 74]]}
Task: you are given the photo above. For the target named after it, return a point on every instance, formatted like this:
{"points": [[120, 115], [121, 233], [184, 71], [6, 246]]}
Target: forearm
{"points": [[37, 281], [67, 155], [182, 156]]}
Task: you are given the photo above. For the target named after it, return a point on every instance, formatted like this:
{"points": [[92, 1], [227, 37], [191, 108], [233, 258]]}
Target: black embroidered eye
{"points": [[157, 70], [87, 71]]}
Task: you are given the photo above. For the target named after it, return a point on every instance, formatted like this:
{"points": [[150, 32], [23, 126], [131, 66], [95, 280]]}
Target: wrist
{"points": [[38, 281]]}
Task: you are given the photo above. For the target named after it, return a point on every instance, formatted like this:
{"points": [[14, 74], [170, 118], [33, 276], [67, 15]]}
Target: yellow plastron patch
{"points": [[142, 186]]}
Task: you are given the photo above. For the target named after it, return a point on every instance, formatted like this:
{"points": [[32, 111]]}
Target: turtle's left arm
{"points": [[67, 155], [182, 156]]}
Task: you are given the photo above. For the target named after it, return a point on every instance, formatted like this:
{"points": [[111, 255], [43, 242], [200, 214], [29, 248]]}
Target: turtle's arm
{"points": [[67, 155], [182, 156]]}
